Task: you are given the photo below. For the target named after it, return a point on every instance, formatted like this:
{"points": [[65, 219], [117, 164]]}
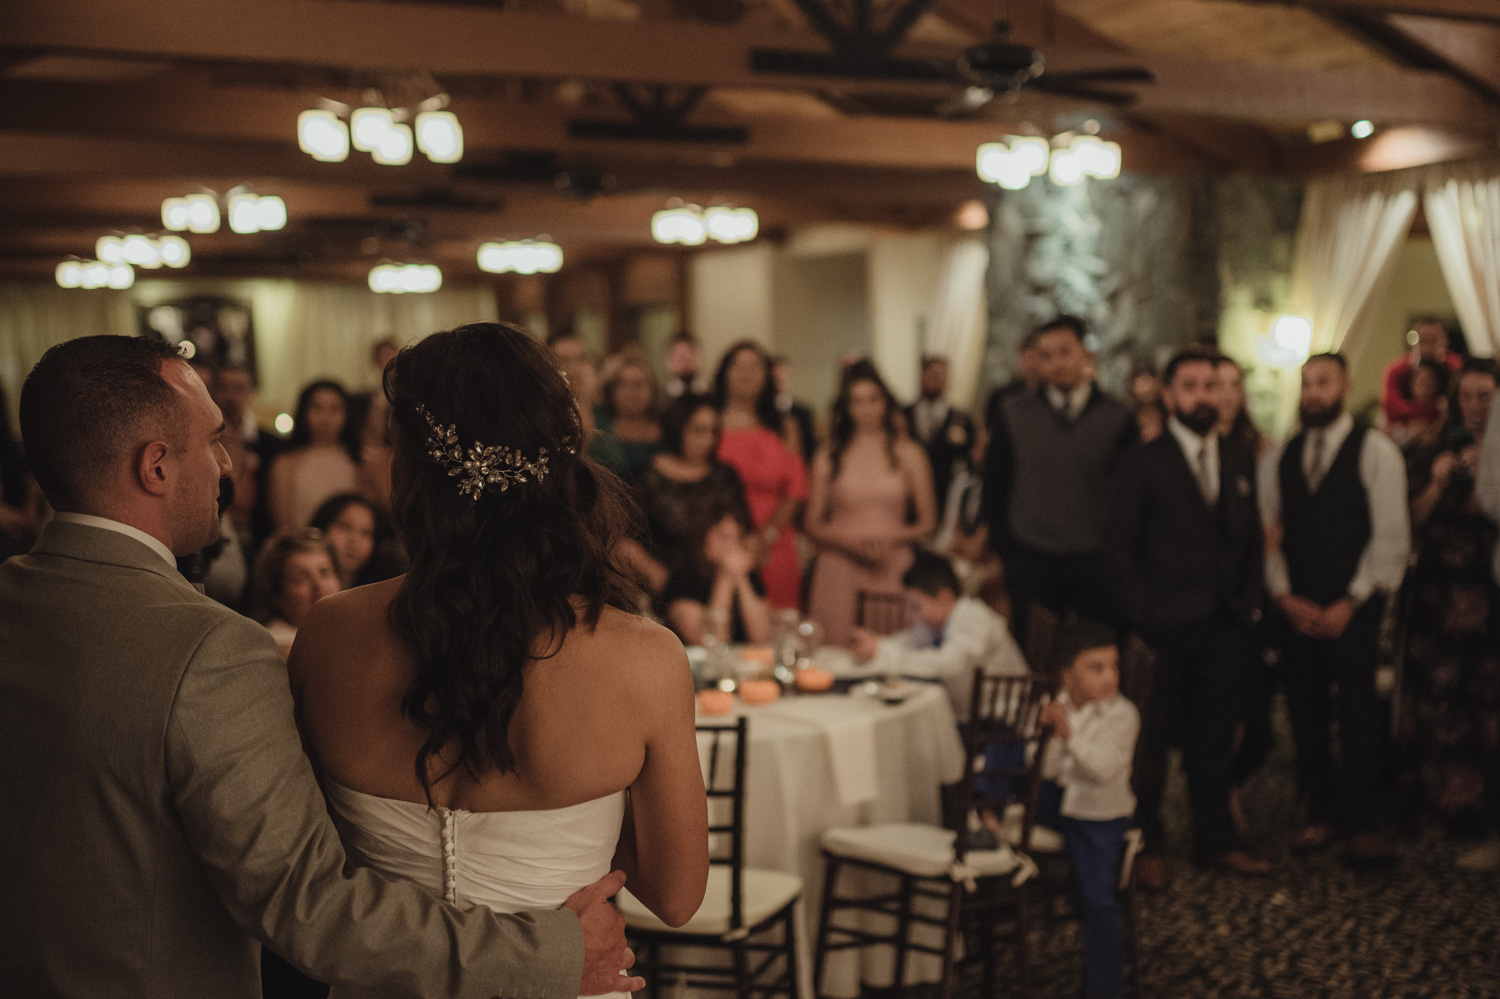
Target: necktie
{"points": [[1205, 478], [1315, 469]]}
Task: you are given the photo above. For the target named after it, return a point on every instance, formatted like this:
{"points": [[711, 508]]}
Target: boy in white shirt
{"points": [[1086, 769], [951, 635]]}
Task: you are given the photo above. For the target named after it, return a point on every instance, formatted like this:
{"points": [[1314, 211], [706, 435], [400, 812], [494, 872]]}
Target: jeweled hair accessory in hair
{"points": [[481, 466]]}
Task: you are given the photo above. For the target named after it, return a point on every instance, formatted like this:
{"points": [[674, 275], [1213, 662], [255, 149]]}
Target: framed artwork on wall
{"points": [[221, 330]]}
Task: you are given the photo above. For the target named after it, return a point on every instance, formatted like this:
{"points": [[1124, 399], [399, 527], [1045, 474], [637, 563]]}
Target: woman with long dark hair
{"points": [[498, 723], [754, 441], [361, 539], [318, 461], [865, 481]]}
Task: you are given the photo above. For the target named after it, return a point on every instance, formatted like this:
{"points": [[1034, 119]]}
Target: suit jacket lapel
{"points": [[1188, 479]]}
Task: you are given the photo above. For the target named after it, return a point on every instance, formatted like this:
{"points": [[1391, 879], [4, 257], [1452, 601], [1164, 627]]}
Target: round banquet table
{"points": [[824, 761]]}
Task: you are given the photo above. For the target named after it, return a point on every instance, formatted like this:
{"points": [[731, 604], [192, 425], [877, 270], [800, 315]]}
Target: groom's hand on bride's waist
{"points": [[605, 956]]}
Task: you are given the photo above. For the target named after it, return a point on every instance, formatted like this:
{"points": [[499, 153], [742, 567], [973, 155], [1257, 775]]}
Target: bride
{"points": [[498, 724]]}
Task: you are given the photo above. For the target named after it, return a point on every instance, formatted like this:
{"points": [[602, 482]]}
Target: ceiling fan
{"points": [[1001, 67]]}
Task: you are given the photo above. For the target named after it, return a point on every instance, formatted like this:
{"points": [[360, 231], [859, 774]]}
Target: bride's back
{"points": [[478, 721], [577, 733]]}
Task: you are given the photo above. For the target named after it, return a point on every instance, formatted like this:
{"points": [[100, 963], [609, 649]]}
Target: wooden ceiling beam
{"points": [[1472, 51], [260, 124], [1460, 10], [465, 40]]}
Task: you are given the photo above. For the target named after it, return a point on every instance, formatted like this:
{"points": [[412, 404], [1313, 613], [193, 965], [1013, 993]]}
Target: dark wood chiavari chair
{"points": [[983, 891], [880, 613], [746, 912]]}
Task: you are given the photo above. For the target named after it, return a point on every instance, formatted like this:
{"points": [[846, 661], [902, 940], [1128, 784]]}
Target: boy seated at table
{"points": [[718, 588], [950, 635], [1086, 792]]}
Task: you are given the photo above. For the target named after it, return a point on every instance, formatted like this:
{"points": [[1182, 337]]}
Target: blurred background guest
{"points": [[717, 590], [686, 488], [754, 441], [1333, 501], [799, 414], [629, 418], [864, 482], [1028, 377], [945, 433], [582, 372], [1395, 394], [1426, 385], [21, 503], [251, 451], [318, 461], [1450, 709], [684, 366], [1143, 392], [360, 537], [1046, 477], [292, 572], [1234, 413]]}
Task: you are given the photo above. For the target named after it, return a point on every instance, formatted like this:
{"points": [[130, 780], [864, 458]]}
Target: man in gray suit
{"points": [[159, 816]]}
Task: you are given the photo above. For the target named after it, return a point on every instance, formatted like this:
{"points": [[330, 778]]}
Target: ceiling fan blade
{"points": [[1124, 74], [1064, 89], [965, 103]]}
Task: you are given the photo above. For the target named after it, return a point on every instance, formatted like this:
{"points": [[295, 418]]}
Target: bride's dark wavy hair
{"points": [[493, 582]]}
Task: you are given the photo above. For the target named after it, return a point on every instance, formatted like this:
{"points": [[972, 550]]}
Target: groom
{"points": [[159, 816]]}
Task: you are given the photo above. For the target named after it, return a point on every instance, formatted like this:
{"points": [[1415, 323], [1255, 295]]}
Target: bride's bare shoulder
{"points": [[332, 622], [631, 648]]}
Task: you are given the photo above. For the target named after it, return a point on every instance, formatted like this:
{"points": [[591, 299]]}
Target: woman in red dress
{"points": [[775, 480]]}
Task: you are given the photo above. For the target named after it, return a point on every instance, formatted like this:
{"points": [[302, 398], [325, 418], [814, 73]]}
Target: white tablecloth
{"points": [[794, 791]]}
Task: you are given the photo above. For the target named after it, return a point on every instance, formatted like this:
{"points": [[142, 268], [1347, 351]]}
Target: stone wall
{"points": [[1152, 263]]}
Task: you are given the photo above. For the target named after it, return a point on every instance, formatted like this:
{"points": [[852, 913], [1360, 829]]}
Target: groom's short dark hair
{"points": [[86, 403]]}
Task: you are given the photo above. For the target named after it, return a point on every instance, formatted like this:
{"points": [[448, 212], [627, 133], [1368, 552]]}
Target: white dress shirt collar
{"points": [[1070, 403], [104, 523]]}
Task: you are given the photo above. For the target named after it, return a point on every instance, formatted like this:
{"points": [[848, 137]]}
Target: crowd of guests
{"points": [[1245, 565]]}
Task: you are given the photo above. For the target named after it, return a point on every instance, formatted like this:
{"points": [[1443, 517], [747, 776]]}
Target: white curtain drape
{"points": [[1352, 229], [958, 320], [1463, 213]]}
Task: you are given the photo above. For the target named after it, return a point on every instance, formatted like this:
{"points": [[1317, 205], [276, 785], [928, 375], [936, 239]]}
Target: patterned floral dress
{"points": [[1450, 711]]}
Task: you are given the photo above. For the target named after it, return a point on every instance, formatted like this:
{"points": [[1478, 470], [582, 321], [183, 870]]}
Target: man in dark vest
{"points": [[1046, 487], [1186, 549], [945, 432], [1333, 501]]}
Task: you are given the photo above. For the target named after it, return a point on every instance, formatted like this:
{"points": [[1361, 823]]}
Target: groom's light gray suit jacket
{"points": [[158, 816]]}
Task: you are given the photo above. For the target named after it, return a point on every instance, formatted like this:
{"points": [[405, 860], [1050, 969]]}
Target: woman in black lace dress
{"points": [[686, 489], [1450, 715]]}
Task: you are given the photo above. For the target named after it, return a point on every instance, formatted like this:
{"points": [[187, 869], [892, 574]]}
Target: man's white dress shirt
{"points": [[1093, 763], [974, 635], [1071, 402], [1382, 471]]}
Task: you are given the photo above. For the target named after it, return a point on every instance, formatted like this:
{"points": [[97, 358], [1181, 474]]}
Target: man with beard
{"points": [[1186, 554], [1333, 501]]}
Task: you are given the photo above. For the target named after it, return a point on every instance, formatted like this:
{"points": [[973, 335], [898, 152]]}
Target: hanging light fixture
{"points": [[323, 136], [689, 225], [403, 279], [193, 213], [520, 257], [91, 274], [1012, 164], [250, 213], [440, 136]]}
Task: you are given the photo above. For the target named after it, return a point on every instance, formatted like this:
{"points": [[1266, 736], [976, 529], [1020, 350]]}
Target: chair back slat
{"points": [[1006, 712], [1041, 637], [880, 613], [724, 782]]}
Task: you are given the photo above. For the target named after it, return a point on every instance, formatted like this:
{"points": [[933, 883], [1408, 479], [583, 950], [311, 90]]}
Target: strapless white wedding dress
{"points": [[506, 861]]}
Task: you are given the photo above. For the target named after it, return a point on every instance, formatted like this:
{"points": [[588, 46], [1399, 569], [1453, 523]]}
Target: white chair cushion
{"points": [[1043, 840], [920, 850], [765, 894]]}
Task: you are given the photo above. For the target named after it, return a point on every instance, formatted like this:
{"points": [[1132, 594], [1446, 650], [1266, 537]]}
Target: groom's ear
{"points": [[150, 470]]}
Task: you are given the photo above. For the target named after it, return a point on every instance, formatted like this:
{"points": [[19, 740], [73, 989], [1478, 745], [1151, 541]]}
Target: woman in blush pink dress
{"points": [[754, 443], [865, 483]]}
